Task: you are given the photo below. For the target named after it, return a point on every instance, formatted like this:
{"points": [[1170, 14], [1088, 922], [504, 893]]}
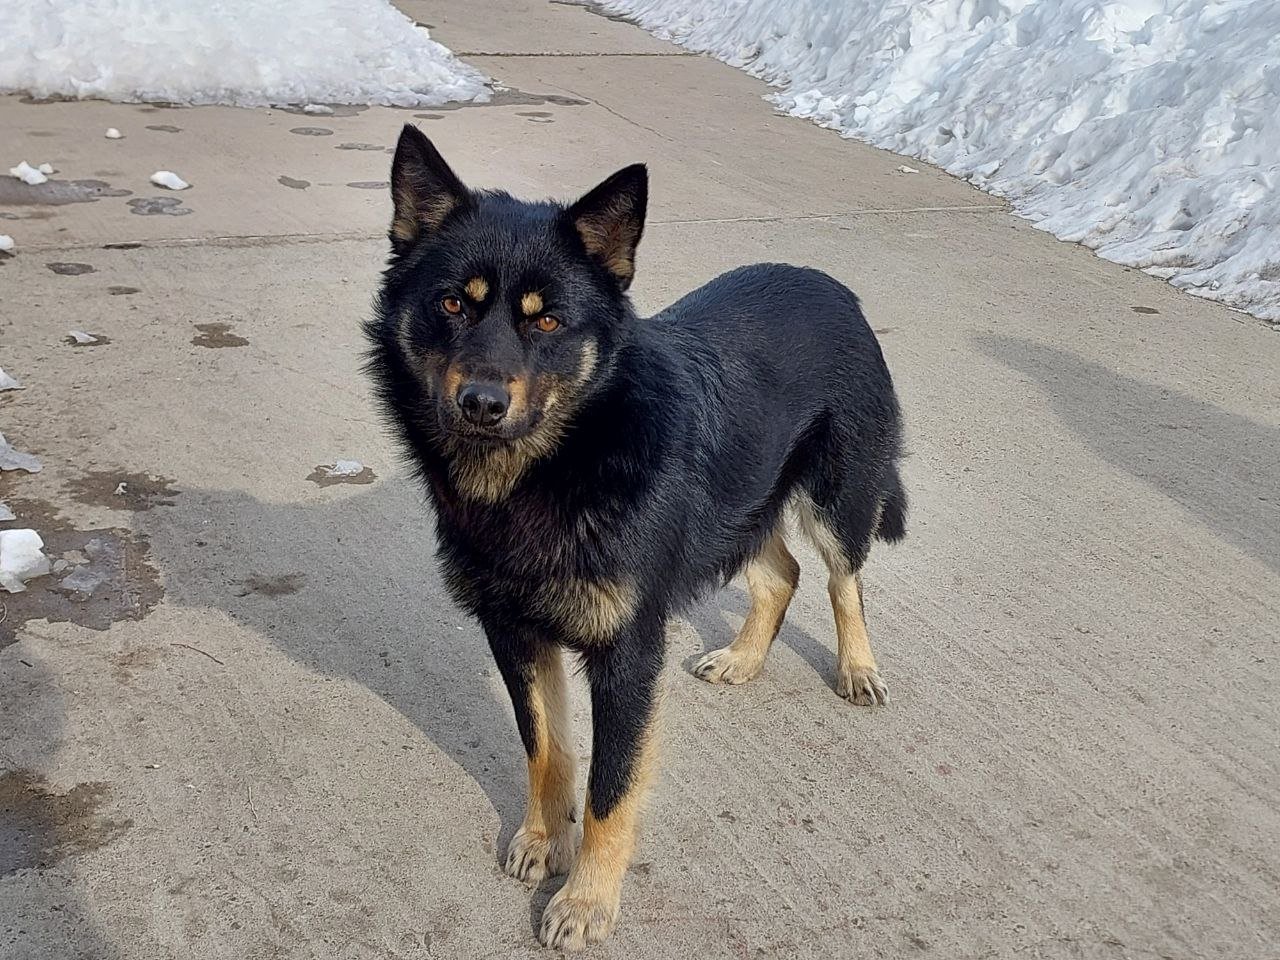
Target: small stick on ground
{"points": [[198, 650]]}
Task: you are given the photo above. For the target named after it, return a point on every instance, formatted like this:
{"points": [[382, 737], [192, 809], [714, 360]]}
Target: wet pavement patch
{"points": [[370, 184], [55, 193], [71, 269], [1147, 310], [118, 490], [333, 109], [39, 826], [429, 116], [117, 291], [293, 184], [164, 127], [362, 146], [593, 8], [100, 576], [216, 336], [278, 586], [535, 116], [312, 131], [122, 246], [158, 206], [511, 97], [324, 475]]}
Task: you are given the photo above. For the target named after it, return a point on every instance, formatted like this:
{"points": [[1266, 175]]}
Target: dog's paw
{"points": [[727, 665], [574, 922], [533, 856], [862, 686]]}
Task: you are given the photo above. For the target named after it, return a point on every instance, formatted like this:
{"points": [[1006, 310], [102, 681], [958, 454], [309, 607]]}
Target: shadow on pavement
{"points": [[1219, 466]]}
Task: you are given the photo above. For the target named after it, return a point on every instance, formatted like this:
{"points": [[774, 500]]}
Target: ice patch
{"points": [[82, 582], [6, 513], [240, 52], [21, 559], [1147, 130], [11, 459], [169, 180], [7, 382], [28, 174], [113, 134]]}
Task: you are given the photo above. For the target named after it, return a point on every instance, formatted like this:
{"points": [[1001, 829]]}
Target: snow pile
{"points": [[241, 52], [33, 176], [1148, 130], [21, 559]]}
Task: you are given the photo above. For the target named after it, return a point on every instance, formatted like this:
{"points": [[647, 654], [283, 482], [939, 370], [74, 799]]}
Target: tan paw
{"points": [[862, 686], [573, 922], [727, 665], [533, 856]]}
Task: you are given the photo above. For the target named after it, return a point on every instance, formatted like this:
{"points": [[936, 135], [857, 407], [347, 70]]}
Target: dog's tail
{"points": [[893, 509]]}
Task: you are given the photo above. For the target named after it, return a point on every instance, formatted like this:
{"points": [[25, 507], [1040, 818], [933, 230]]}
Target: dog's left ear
{"points": [[425, 190], [610, 220]]}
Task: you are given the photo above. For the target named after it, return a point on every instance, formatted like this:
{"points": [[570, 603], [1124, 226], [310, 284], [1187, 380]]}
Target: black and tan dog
{"points": [[591, 472]]}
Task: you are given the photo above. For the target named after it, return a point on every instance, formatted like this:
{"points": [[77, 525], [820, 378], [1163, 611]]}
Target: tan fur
{"points": [[771, 580], [531, 304], [590, 359], [477, 289], [413, 212], [518, 389], [588, 611], [612, 236], [585, 909], [545, 843]]}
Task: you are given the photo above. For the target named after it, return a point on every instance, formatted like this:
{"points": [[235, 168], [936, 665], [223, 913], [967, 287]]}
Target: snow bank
{"points": [[1148, 130], [241, 52]]}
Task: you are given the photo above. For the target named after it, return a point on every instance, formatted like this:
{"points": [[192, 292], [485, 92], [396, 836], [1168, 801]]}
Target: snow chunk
{"points": [[21, 559], [169, 179], [7, 382], [6, 242], [82, 338], [120, 489], [5, 513], [46, 169], [28, 174], [1146, 130], [344, 468], [241, 52], [11, 459], [113, 134], [906, 169], [317, 108]]}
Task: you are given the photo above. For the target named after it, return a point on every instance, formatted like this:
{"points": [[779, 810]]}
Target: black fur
{"points": [[679, 451]]}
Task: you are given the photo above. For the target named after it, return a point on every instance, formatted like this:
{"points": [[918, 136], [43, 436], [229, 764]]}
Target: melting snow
{"points": [[11, 459], [344, 468], [169, 179], [82, 338], [28, 174], [242, 52], [113, 134], [1148, 131], [6, 242], [5, 513], [7, 382], [21, 559]]}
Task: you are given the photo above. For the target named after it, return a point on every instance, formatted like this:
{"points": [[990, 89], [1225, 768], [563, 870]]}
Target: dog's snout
{"points": [[484, 404]]}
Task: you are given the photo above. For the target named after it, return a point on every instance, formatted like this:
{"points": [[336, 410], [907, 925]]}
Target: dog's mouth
{"points": [[503, 433]]}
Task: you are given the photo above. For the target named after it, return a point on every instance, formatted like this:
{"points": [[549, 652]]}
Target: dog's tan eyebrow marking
{"points": [[531, 304], [477, 289]]}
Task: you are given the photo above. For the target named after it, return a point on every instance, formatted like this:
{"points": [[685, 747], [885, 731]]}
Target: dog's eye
{"points": [[451, 305], [547, 323]]}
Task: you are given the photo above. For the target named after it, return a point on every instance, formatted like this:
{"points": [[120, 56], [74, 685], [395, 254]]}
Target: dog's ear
{"points": [[610, 220], [424, 189]]}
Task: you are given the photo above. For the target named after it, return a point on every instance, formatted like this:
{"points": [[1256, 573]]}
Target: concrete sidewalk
{"points": [[268, 734]]}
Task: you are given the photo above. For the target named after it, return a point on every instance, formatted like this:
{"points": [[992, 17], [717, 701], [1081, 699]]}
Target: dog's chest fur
{"points": [[541, 559]]}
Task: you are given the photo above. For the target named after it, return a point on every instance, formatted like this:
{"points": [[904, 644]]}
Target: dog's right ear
{"points": [[424, 189]]}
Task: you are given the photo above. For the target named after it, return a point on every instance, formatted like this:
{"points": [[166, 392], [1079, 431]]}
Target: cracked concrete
{"points": [[302, 748]]}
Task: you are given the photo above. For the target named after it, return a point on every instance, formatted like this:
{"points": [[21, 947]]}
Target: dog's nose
{"points": [[484, 404]]}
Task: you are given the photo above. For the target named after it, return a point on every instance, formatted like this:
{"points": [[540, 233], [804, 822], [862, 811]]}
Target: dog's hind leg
{"points": [[548, 838], [843, 537], [771, 580]]}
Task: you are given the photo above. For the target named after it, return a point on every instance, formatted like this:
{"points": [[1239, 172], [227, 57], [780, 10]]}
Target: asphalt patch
{"points": [[312, 131], [158, 206], [293, 184], [55, 193]]}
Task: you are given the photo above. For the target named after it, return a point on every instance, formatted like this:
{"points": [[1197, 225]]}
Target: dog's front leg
{"points": [[624, 713], [534, 673]]}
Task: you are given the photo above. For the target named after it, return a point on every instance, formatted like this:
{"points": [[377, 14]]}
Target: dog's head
{"points": [[506, 314]]}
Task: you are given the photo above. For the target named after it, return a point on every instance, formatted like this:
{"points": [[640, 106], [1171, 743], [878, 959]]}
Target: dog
{"points": [[592, 472]]}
